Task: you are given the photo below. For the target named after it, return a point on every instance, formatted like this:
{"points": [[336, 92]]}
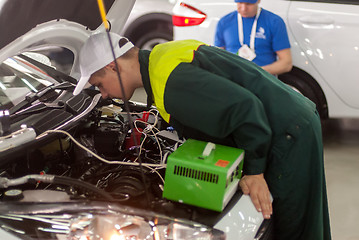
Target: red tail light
{"points": [[193, 16], [180, 21]]}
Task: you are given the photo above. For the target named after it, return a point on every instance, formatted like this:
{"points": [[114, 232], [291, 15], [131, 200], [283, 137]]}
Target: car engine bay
{"points": [[100, 149]]}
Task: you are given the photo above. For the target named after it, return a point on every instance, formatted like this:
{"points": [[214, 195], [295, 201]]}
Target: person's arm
{"points": [[218, 37], [283, 63], [256, 187]]}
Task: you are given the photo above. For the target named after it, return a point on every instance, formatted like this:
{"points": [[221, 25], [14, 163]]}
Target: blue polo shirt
{"points": [[271, 35]]}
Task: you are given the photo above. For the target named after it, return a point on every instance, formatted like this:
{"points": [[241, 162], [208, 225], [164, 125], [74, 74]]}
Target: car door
{"points": [[327, 33]]}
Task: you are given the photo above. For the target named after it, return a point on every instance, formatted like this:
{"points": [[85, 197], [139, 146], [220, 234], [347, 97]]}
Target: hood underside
{"points": [[19, 16]]}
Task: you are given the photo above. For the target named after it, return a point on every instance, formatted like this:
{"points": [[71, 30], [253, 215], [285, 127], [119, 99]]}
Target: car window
{"points": [[60, 58], [354, 2], [19, 77]]}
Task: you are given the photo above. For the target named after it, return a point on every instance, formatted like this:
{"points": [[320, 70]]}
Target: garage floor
{"points": [[341, 156]]}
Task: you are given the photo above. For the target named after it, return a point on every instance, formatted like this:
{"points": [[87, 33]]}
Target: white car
{"points": [[324, 43], [150, 23], [68, 163]]}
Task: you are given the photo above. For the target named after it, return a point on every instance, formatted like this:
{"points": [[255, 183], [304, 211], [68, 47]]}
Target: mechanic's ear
{"points": [[112, 66]]}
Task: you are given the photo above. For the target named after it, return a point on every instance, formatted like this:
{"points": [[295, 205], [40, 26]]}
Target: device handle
{"points": [[208, 149]]}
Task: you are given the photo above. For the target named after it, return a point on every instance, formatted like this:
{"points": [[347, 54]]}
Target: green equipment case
{"points": [[203, 174]]}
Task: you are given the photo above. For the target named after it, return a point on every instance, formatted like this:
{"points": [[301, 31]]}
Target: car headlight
{"points": [[127, 227]]}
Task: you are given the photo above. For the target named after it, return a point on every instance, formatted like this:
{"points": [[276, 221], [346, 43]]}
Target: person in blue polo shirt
{"points": [[257, 35]]}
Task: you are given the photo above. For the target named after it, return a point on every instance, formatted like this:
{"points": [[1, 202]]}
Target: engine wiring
{"points": [[153, 167], [96, 155], [149, 131]]}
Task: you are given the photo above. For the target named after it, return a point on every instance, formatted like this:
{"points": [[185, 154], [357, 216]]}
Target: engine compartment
{"points": [[103, 151]]}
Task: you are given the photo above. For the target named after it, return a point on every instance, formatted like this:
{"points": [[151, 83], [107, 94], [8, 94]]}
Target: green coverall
{"points": [[219, 97]]}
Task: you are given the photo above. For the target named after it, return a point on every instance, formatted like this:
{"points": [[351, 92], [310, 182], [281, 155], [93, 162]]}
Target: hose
{"points": [[5, 183]]}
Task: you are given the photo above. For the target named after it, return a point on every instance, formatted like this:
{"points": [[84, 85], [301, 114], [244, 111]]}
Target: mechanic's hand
{"points": [[257, 188]]}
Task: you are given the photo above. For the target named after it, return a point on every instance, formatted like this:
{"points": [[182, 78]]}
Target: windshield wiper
{"points": [[59, 76], [32, 97]]}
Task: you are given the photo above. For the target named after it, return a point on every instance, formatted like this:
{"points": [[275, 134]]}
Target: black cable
{"points": [[127, 109], [78, 183]]}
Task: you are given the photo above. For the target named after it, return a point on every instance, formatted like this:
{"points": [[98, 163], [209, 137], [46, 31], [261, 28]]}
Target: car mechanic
{"points": [[209, 94]]}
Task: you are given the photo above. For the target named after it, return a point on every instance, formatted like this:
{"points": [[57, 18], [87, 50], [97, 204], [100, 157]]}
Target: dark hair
{"points": [[99, 73], [122, 42], [130, 53]]}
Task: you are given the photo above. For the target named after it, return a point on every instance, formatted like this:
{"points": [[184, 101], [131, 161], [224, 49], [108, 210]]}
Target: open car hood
{"points": [[27, 25]]}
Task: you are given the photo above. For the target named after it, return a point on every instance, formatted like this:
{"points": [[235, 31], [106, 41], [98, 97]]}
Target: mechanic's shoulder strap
{"points": [[164, 58]]}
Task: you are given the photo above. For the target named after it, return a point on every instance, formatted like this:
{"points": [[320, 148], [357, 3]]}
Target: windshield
{"points": [[19, 77]]}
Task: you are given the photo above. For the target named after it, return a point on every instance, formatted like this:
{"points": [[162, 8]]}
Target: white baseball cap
{"points": [[96, 53]]}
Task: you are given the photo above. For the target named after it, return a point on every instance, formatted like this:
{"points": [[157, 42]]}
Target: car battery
{"points": [[203, 174]]}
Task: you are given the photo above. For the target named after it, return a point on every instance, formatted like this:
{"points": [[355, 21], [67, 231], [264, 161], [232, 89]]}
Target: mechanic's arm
{"points": [[283, 63], [256, 187], [223, 108]]}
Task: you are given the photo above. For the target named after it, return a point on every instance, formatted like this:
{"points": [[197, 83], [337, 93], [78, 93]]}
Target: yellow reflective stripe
{"points": [[164, 58]]}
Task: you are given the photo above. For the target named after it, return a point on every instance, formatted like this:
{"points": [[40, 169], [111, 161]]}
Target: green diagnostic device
{"points": [[203, 174]]}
